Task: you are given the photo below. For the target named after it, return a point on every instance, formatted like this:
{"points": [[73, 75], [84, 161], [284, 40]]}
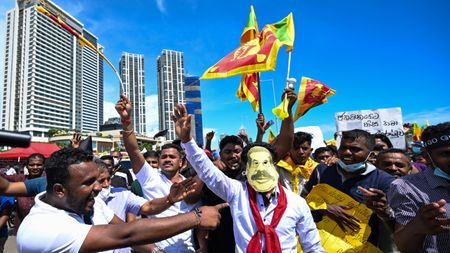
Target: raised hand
{"points": [[76, 139], [344, 219], [210, 216], [182, 122], [431, 220], [210, 136], [261, 123], [375, 199], [179, 191], [123, 107], [291, 95]]}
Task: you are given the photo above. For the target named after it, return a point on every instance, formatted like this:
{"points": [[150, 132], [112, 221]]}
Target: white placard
{"points": [[316, 133], [386, 121]]}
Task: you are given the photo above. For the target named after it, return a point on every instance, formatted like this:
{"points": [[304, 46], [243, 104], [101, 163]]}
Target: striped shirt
{"points": [[409, 193]]}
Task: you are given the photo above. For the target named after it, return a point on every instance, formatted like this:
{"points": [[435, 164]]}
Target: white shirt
{"points": [[156, 185], [297, 218], [49, 229]]}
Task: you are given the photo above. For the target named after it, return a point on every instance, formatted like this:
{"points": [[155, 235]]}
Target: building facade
{"points": [[170, 69], [194, 106], [132, 74], [50, 80]]}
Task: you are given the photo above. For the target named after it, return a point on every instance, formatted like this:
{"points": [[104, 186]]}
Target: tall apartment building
{"points": [[194, 106], [170, 67], [50, 81], [132, 74]]}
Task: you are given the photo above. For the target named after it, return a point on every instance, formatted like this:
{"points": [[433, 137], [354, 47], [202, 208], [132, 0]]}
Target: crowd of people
{"points": [[254, 197]]}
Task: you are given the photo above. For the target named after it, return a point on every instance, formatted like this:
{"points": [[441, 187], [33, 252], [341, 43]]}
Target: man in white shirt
{"points": [[266, 216], [60, 220], [156, 183]]}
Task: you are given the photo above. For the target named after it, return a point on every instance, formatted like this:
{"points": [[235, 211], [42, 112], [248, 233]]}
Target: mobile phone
{"points": [[268, 124]]}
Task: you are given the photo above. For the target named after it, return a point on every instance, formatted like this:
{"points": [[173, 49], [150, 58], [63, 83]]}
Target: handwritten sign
{"points": [[386, 121], [332, 237]]}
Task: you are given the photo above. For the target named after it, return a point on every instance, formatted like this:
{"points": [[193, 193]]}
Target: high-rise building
{"points": [[50, 80], [170, 66], [194, 106], [132, 75]]}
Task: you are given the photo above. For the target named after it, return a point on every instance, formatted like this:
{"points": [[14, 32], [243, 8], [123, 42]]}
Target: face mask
{"points": [[261, 173], [116, 161], [440, 173], [416, 150], [104, 193], [353, 167]]}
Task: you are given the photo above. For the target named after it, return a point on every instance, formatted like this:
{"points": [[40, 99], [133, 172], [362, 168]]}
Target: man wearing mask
{"points": [[260, 206], [357, 178], [421, 201]]}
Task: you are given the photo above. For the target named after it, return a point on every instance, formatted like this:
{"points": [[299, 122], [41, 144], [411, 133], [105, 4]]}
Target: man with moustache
{"points": [[61, 221], [394, 161], [260, 206]]}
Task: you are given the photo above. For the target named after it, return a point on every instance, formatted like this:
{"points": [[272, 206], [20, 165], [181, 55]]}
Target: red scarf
{"points": [[272, 241]]}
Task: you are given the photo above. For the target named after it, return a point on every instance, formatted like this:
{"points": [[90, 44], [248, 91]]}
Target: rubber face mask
{"points": [[261, 173], [354, 167], [104, 193]]}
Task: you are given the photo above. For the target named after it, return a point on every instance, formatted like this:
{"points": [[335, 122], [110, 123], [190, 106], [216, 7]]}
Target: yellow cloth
{"points": [[295, 170], [333, 238]]}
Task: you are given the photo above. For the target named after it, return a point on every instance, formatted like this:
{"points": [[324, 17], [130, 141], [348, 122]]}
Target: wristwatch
{"points": [[157, 249]]}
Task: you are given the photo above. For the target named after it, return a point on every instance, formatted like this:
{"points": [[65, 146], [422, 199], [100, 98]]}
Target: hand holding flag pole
{"points": [[281, 111], [83, 41]]}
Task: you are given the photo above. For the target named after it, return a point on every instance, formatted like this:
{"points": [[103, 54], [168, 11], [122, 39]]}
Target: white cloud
{"points": [[161, 4], [109, 110], [434, 116], [151, 114]]}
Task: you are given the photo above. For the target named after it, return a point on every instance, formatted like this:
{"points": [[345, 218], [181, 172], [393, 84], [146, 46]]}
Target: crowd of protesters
{"points": [[251, 198]]}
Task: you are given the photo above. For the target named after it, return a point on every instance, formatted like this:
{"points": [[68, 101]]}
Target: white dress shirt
{"points": [[297, 218]]}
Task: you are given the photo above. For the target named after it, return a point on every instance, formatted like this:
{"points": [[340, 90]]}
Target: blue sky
{"points": [[374, 53]]}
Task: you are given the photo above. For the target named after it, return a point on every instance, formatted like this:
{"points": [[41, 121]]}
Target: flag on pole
{"points": [[82, 40], [417, 132], [257, 55], [311, 94], [271, 136], [248, 88]]}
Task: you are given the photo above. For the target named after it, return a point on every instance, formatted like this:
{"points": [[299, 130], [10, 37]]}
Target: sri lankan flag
{"points": [[257, 55], [312, 93], [417, 132], [248, 88]]}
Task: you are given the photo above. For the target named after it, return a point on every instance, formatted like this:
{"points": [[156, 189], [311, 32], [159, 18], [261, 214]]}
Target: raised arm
{"points": [[284, 141], [123, 108], [216, 180], [209, 137]]}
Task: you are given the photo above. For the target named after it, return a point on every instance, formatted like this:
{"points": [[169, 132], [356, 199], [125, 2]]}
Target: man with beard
{"points": [[421, 202], [260, 206], [354, 176], [296, 168], [156, 183], [60, 220]]}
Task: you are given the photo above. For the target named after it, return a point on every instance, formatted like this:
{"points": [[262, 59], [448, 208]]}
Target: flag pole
{"points": [[259, 93], [288, 69]]}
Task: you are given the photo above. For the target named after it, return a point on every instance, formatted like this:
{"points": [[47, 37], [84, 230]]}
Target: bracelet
{"points": [[127, 131], [198, 215]]}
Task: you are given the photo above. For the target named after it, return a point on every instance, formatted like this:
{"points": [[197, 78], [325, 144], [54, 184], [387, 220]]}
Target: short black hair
{"points": [[333, 149], [384, 139], [354, 134], [151, 153], [57, 166], [436, 130], [321, 150], [244, 157], [34, 156], [107, 157], [393, 151], [301, 137], [233, 139], [172, 145]]}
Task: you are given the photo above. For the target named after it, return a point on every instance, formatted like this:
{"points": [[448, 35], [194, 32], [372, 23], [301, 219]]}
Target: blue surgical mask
{"points": [[416, 150], [440, 173], [353, 167]]}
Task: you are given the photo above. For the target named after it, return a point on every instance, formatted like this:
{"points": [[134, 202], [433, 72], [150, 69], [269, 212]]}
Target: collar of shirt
{"points": [[435, 181], [369, 169], [273, 202]]}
